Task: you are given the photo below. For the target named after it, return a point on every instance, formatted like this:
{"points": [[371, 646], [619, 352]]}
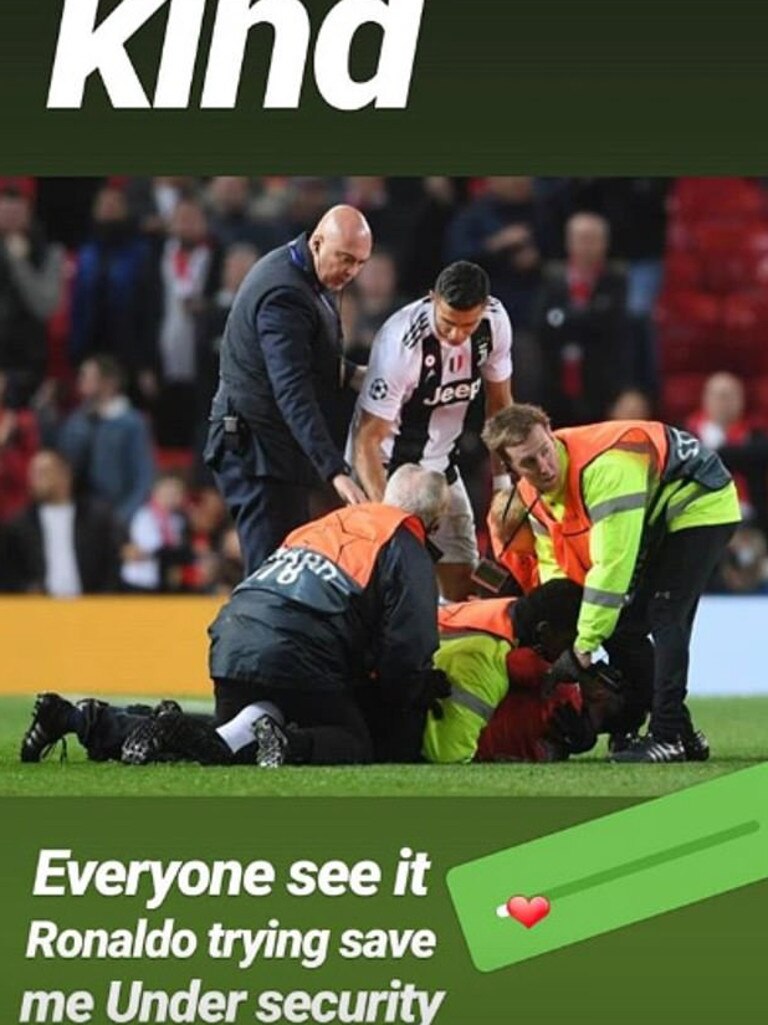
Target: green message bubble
{"points": [[613, 871]]}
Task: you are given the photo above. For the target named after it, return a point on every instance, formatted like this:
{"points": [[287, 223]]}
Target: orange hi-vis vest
{"points": [[351, 538], [486, 615], [519, 558], [570, 536]]}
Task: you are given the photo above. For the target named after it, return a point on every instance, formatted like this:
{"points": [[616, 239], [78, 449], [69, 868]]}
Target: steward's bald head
{"points": [[340, 245]]}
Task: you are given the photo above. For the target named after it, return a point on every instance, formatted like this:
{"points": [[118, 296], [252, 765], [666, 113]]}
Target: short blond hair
{"points": [[512, 425]]}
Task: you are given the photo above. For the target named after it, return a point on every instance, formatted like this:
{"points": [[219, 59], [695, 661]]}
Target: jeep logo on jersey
{"points": [[85, 48], [464, 391]]}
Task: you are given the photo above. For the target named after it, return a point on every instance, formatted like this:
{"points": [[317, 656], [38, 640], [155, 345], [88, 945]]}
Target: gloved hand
{"points": [[573, 730], [425, 690], [565, 669]]}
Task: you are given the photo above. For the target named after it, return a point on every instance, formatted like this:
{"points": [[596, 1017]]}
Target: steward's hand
{"points": [[347, 490], [428, 687], [567, 668]]}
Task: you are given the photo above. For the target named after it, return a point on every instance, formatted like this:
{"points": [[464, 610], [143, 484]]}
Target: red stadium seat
{"points": [[681, 395], [693, 200], [732, 256], [745, 333], [757, 399], [683, 272], [688, 319]]}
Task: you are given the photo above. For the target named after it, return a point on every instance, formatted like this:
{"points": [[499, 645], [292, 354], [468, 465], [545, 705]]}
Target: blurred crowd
{"points": [[629, 297]]}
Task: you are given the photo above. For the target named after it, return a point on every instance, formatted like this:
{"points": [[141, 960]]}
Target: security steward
{"points": [[347, 602], [638, 512], [485, 646], [281, 372]]}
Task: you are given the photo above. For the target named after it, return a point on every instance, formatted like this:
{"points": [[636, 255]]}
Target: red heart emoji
{"points": [[528, 911]]}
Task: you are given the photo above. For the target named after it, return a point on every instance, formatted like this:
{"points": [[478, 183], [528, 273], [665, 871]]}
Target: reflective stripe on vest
{"points": [[472, 702]]}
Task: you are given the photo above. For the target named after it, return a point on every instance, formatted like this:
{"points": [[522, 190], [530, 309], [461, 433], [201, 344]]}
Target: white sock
{"points": [[238, 732]]}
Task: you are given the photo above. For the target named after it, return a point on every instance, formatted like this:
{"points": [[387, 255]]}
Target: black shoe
{"points": [[620, 742], [50, 721], [166, 707], [649, 749], [143, 745], [172, 736], [696, 747], [271, 743]]}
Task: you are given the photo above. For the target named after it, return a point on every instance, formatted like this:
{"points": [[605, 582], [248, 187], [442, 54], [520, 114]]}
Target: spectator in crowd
{"points": [[636, 210], [388, 218], [720, 419], [152, 201], [498, 230], [377, 299], [61, 545], [722, 425], [429, 216], [64, 206], [19, 440], [306, 198], [630, 404], [158, 547], [186, 270], [744, 566], [31, 278], [114, 306], [210, 324], [108, 441], [580, 324], [207, 516], [281, 373], [231, 221], [230, 567]]}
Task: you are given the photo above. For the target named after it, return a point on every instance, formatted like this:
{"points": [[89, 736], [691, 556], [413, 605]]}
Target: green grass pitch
{"points": [[737, 729]]}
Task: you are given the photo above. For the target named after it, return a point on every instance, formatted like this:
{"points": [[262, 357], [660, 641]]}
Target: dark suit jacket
{"points": [[600, 329], [97, 550], [280, 371]]}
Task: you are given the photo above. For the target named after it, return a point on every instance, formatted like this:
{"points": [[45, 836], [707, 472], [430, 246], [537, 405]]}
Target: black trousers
{"points": [[331, 729], [664, 605], [263, 509], [108, 726]]}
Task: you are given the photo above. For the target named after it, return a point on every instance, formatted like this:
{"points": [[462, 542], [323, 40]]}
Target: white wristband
{"points": [[502, 482]]}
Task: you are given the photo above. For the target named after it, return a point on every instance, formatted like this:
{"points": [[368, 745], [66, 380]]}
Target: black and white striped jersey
{"points": [[424, 386]]}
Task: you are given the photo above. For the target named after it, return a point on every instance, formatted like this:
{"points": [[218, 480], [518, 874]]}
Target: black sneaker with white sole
{"points": [[696, 747], [50, 721], [271, 743], [649, 749]]}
